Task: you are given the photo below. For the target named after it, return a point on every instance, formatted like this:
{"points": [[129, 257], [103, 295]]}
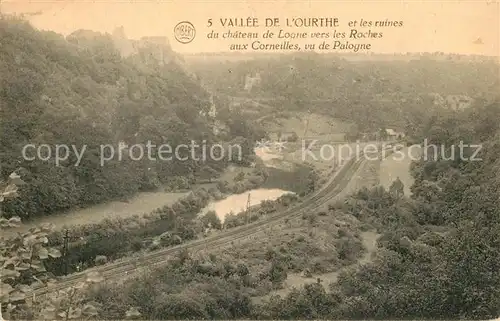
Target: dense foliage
{"points": [[438, 255], [79, 91], [223, 284], [423, 270], [116, 238], [22, 269], [372, 93]]}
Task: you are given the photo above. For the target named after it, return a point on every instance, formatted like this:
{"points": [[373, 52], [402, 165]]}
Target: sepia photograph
{"points": [[249, 160]]}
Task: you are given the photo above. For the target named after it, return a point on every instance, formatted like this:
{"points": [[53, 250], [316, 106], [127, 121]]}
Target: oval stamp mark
{"points": [[184, 32]]}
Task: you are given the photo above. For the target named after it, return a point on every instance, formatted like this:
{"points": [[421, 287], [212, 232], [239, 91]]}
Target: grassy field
{"points": [[232, 171]]}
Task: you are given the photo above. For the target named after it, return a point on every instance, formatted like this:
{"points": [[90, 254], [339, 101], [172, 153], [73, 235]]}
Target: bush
{"points": [[210, 219], [239, 177], [117, 237], [100, 260]]}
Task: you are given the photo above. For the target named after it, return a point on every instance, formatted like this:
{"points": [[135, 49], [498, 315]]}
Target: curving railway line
{"points": [[316, 201]]}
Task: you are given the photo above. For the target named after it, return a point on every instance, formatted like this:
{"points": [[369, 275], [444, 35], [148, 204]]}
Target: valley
{"points": [[314, 198]]}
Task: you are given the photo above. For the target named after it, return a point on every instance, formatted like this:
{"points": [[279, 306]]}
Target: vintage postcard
{"points": [[249, 160]]}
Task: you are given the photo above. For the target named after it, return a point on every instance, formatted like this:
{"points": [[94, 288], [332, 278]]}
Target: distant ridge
{"points": [[348, 56]]}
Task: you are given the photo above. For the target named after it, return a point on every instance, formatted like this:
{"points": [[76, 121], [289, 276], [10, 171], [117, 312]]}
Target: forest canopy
{"points": [[80, 90]]}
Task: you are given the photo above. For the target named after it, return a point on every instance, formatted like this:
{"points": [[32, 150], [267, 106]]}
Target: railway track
{"points": [[118, 269]]}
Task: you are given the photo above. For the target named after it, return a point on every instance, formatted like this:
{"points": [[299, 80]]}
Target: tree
{"points": [[382, 133], [397, 188], [183, 256], [211, 219], [209, 172], [239, 177], [277, 272], [293, 137], [242, 270]]}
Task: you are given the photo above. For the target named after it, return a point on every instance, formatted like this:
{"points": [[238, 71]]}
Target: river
{"points": [[271, 158], [392, 167], [237, 203], [141, 203], [398, 165]]}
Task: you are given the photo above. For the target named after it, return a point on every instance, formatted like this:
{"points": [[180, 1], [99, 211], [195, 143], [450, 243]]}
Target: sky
{"points": [[464, 27]]}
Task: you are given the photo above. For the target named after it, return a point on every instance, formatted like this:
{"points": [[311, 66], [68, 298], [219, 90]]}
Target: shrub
{"points": [[211, 219]]}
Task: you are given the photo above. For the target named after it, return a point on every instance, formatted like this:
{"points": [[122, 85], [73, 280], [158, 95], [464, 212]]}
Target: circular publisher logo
{"points": [[184, 32]]}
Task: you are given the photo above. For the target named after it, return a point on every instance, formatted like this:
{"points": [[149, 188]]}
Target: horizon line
{"points": [[415, 53]]}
